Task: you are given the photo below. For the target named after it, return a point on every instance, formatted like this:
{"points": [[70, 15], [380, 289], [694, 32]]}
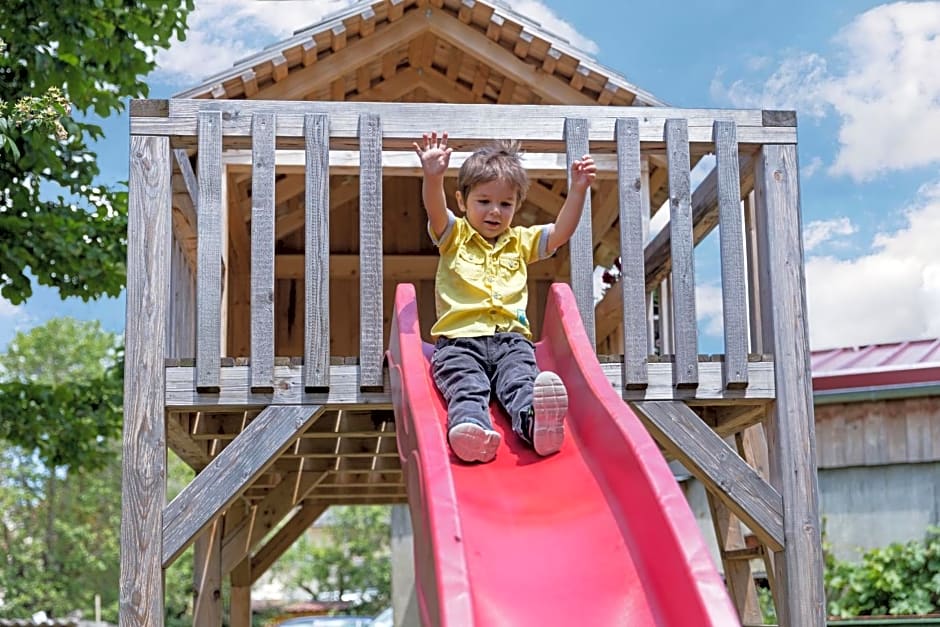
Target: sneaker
{"points": [[472, 443], [550, 404]]}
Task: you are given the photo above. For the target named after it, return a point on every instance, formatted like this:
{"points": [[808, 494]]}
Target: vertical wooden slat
{"points": [[209, 252], [144, 465], [685, 366], [731, 235], [582, 247], [371, 342], [633, 280], [207, 577], [240, 613], [753, 276], [791, 435], [263, 132], [317, 252]]}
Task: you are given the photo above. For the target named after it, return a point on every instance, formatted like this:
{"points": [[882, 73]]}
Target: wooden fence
{"points": [[629, 134]]}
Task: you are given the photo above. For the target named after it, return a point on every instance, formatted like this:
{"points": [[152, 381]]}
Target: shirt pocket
{"points": [[469, 264], [509, 266]]}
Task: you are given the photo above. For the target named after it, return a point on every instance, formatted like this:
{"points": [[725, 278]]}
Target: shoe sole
{"points": [[473, 443], [550, 404]]}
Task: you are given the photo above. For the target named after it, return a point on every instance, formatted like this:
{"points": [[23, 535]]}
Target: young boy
{"points": [[484, 342]]}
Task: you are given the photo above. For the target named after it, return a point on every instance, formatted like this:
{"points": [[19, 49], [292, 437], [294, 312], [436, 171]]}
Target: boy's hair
{"points": [[499, 160]]}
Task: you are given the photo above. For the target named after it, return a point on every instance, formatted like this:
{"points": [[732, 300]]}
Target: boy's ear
{"points": [[460, 204]]}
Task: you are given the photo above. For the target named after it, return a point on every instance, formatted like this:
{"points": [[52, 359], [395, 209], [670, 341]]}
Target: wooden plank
{"points": [[243, 537], [792, 437], [262, 252], [733, 280], [738, 576], [265, 557], [631, 246], [317, 254], [209, 251], [207, 578], [683, 434], [581, 246], [230, 473], [371, 341], [143, 488], [755, 324], [344, 389], [472, 125], [240, 578], [682, 252]]}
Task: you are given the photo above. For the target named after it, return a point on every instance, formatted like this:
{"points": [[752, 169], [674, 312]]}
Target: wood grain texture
{"points": [[241, 538], [632, 242], [265, 557], [470, 125], [207, 577], [791, 435], [144, 465], [682, 251], [230, 473], [733, 279], [683, 434], [581, 244], [262, 252], [371, 339], [317, 252], [209, 251]]}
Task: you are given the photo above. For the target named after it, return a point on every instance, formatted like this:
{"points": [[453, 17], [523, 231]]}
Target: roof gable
{"points": [[445, 50]]}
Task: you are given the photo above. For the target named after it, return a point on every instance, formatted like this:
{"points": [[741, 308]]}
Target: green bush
{"points": [[900, 579]]}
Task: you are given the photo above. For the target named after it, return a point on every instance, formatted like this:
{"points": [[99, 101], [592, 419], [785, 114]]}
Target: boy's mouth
{"points": [[491, 222]]}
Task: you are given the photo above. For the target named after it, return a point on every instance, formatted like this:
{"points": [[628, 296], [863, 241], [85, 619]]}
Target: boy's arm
{"points": [[435, 157], [583, 173]]}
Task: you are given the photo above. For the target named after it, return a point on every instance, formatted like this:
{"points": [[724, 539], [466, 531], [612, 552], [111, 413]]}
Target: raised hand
{"points": [[583, 173], [435, 155]]}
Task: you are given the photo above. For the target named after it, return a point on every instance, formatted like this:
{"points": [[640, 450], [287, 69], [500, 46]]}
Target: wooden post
{"points": [[207, 577], [371, 329], [144, 466], [581, 245], [240, 615], [792, 440]]}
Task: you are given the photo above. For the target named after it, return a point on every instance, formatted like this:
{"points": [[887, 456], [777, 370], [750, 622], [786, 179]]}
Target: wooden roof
{"points": [[483, 51]]}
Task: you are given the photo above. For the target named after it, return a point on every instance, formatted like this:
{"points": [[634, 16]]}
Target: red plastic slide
{"points": [[598, 535]]}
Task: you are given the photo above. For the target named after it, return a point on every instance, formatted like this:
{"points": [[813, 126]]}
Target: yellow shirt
{"points": [[482, 288]]}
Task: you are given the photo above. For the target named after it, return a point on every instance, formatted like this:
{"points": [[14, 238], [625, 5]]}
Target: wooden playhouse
{"points": [[274, 209]]}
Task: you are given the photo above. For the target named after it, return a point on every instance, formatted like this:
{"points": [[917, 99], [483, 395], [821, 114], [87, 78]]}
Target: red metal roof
{"points": [[901, 364]]}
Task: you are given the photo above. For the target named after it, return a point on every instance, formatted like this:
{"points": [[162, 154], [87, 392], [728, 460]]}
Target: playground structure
{"points": [[258, 226]]}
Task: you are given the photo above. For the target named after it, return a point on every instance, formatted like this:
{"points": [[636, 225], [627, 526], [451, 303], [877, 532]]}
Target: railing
{"points": [[752, 148]]}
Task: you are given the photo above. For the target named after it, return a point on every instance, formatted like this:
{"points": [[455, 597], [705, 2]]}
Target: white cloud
{"points": [[13, 318], [538, 12], [811, 168], [708, 309], [820, 231], [222, 32], [889, 295], [887, 94]]}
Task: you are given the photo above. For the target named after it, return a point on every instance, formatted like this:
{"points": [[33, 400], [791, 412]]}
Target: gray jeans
{"points": [[468, 370]]}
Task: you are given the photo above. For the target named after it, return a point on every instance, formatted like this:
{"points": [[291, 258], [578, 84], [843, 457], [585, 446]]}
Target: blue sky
{"points": [[862, 76]]}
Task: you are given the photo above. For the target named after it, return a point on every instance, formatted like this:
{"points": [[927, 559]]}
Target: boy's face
{"points": [[489, 207]]}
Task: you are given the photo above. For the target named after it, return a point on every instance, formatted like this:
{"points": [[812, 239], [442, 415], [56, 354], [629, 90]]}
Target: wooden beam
{"points": [[143, 488], [207, 578], [391, 89], [487, 51], [792, 429], [683, 434], [230, 474], [284, 538], [288, 222], [338, 64], [242, 538]]}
